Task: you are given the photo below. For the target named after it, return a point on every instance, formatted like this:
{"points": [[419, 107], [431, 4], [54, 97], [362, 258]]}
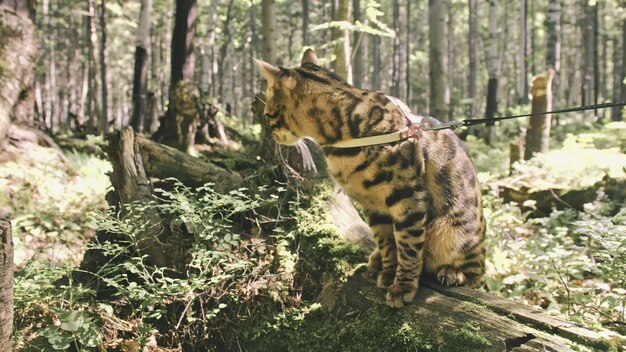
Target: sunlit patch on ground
{"points": [[47, 197]]}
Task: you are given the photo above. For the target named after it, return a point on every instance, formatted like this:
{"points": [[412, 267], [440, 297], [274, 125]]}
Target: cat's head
{"points": [[294, 98]]}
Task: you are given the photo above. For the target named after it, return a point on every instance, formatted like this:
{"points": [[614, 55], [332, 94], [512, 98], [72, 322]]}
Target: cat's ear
{"points": [[269, 71], [309, 57]]}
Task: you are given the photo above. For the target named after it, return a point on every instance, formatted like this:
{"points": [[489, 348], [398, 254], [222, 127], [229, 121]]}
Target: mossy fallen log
{"points": [[546, 199], [353, 316]]}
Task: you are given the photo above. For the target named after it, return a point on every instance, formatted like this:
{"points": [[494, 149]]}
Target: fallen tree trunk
{"points": [[136, 160], [161, 161], [561, 198], [448, 319]]}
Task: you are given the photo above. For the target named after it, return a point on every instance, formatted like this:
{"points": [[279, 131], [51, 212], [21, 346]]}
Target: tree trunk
{"points": [[538, 131], [622, 77], [18, 58], [395, 59], [268, 19], [305, 22], [179, 124], [357, 50], [439, 94], [376, 64], [522, 81], [553, 31], [140, 81], [588, 57], [93, 110], [407, 73], [472, 39], [183, 59], [6, 285], [493, 66], [343, 68], [618, 62], [104, 61]]}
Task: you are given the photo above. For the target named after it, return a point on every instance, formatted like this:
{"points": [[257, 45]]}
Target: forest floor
{"points": [[569, 262]]}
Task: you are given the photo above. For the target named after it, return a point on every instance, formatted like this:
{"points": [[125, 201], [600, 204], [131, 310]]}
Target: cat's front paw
{"points": [[375, 263], [386, 278], [450, 276], [401, 293]]}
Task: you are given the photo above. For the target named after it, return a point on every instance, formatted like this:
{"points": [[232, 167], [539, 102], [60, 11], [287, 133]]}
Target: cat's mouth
{"points": [[285, 137]]}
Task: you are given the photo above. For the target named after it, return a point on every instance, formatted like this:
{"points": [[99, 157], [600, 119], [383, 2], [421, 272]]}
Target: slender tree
{"points": [[268, 18], [439, 94], [618, 116], [493, 66], [472, 54], [522, 80], [343, 68], [395, 62], [305, 22], [140, 81], [183, 59], [357, 50], [104, 61]]}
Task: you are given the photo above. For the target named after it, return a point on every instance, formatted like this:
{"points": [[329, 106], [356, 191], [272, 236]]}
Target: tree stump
{"points": [[6, 286], [538, 132]]}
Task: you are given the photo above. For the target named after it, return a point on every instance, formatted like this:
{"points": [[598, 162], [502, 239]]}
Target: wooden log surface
{"points": [[438, 311], [161, 161], [6, 286]]}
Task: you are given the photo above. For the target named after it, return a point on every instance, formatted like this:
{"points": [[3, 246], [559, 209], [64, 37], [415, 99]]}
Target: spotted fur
{"points": [[421, 196]]}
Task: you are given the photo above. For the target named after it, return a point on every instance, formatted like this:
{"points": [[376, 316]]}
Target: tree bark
{"points": [[18, 58], [140, 81], [472, 54], [357, 48], [622, 78], [104, 61], [6, 285], [395, 59], [343, 68], [183, 58], [538, 131], [439, 94], [553, 31], [268, 19], [305, 22], [493, 66], [376, 64], [522, 81]]}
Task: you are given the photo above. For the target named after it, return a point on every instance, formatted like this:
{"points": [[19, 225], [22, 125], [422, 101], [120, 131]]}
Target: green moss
{"points": [[377, 329], [467, 338]]}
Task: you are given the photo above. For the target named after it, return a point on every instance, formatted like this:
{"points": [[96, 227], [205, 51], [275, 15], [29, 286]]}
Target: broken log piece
{"points": [[6, 286], [561, 198], [443, 320], [516, 151], [534, 317], [347, 220], [161, 161], [131, 184]]}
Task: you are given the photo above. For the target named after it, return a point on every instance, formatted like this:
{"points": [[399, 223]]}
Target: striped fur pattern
{"points": [[421, 196]]}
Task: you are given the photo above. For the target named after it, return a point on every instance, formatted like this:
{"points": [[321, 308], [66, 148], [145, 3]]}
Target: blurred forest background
{"points": [[226, 240]]}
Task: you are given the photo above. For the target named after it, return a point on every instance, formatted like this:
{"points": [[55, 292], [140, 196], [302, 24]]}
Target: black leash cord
{"points": [[472, 122]]}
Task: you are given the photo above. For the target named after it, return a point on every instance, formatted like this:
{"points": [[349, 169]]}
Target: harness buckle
{"points": [[412, 131]]}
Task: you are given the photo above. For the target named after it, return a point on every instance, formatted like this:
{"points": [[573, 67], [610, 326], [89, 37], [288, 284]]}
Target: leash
{"points": [[472, 122], [427, 123]]}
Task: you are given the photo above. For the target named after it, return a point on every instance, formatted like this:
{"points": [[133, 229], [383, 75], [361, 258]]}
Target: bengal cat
{"points": [[421, 195]]}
